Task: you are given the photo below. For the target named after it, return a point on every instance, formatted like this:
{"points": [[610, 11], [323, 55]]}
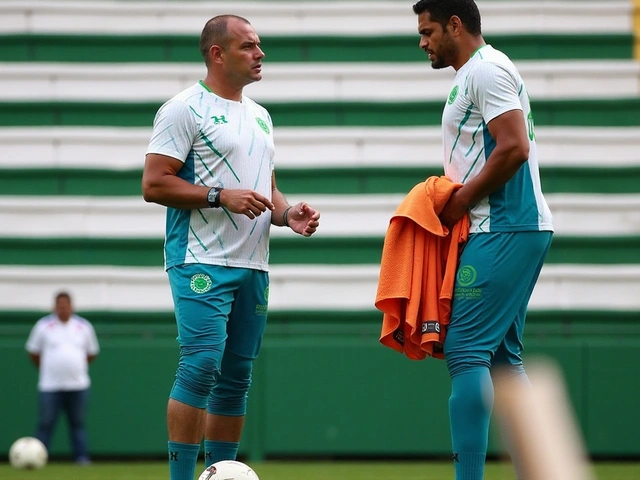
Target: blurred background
{"points": [[356, 109]]}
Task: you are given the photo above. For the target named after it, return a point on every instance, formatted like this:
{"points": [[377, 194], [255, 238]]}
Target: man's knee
{"points": [[230, 392], [461, 361], [197, 372]]}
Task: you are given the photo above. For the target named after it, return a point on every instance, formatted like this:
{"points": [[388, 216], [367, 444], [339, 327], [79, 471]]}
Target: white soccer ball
{"points": [[228, 470], [28, 452]]}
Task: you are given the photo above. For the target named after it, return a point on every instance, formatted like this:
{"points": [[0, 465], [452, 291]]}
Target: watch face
{"points": [[212, 197]]}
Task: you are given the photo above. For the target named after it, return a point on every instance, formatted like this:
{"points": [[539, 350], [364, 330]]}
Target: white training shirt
{"points": [[63, 348], [484, 88], [221, 143]]}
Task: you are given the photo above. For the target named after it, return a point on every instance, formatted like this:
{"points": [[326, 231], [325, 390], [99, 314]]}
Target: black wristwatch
{"points": [[213, 197]]}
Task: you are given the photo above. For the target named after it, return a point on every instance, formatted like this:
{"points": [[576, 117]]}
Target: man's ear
{"points": [[455, 25], [215, 54]]}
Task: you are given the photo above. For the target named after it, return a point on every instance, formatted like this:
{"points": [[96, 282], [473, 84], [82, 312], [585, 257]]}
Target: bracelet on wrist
{"points": [[285, 222]]}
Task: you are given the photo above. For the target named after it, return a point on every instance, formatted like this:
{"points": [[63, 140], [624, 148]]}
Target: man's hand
{"points": [[303, 219], [454, 209], [245, 202]]}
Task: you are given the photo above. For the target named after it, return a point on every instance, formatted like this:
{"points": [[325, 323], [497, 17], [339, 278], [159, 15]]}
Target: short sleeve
{"points": [[35, 340], [174, 131], [93, 347], [493, 89]]}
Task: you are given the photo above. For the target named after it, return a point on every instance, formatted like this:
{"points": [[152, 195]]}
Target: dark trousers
{"points": [[74, 405]]}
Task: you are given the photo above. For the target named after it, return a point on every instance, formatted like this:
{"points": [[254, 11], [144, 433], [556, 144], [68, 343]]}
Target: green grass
{"points": [[284, 470]]}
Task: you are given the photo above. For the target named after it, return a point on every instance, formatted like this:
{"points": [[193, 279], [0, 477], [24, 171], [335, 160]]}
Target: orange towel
{"points": [[417, 271]]}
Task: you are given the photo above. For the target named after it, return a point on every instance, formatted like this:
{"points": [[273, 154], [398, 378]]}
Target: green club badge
{"points": [[453, 94], [200, 283], [467, 275], [263, 125]]}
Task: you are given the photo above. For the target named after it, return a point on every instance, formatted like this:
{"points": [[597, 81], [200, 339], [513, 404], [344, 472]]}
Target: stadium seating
{"points": [[81, 81], [74, 93]]}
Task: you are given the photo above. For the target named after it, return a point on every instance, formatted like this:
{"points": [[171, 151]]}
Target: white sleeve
{"points": [[174, 131], [93, 348], [34, 342], [493, 89]]}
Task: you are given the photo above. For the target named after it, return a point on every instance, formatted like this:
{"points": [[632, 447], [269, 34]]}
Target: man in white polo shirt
{"points": [[62, 345]]}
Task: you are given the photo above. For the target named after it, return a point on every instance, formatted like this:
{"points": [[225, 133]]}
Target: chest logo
{"points": [[219, 120], [453, 95], [263, 125]]}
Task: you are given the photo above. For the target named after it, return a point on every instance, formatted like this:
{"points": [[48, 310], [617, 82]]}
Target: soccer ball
{"points": [[228, 470], [28, 452]]}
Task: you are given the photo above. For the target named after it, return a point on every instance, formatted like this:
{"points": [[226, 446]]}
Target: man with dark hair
{"points": [[215, 32], [211, 162], [489, 146], [62, 345]]}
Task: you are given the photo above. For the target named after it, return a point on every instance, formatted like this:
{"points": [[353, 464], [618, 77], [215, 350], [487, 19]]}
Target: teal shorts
{"points": [[216, 305], [496, 276]]}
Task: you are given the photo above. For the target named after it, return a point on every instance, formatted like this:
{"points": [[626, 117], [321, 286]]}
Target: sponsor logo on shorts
{"points": [[261, 308], [467, 275], [200, 283], [468, 293], [398, 336]]}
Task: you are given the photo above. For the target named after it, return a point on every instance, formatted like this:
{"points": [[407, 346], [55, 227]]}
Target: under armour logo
{"points": [[218, 120], [173, 456], [454, 457]]}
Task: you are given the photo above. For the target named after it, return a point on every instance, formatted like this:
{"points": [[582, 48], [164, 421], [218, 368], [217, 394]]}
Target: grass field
{"points": [[285, 470]]}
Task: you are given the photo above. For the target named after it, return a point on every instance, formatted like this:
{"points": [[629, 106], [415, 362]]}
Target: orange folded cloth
{"points": [[417, 271]]}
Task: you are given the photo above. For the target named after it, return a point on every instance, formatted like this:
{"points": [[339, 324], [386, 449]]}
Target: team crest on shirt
{"points": [[263, 125], [453, 95], [200, 283]]}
